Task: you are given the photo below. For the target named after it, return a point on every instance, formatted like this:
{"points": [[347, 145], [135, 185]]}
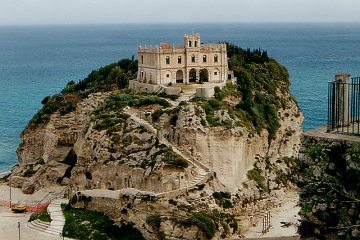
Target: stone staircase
{"points": [[55, 227], [198, 179]]}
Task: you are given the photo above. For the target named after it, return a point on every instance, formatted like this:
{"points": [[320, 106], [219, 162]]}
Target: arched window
{"points": [[193, 58], [179, 59], [189, 43], [195, 44], [216, 58], [168, 60], [204, 58]]}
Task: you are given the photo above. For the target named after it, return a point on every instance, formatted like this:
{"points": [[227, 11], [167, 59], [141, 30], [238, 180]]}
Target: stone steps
{"points": [[44, 227], [202, 173], [57, 216], [55, 227]]}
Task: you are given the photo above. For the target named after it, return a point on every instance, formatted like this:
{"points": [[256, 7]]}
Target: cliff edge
{"points": [[204, 161]]}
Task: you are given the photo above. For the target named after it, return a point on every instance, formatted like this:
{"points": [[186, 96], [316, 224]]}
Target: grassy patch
{"points": [[42, 215], [260, 180], [83, 224]]}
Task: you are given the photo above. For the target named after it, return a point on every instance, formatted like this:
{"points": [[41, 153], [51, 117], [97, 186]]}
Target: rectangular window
{"points": [[179, 60], [204, 58], [167, 60], [195, 43], [215, 73], [193, 59], [189, 43], [142, 59]]}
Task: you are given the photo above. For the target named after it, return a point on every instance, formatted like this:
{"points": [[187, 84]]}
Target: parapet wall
{"points": [[143, 87], [140, 87]]}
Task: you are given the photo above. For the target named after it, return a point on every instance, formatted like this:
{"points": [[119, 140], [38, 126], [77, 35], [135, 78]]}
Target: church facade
{"points": [[192, 62]]}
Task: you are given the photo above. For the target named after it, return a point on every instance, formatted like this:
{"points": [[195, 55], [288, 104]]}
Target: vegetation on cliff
{"points": [[329, 179], [260, 81], [111, 77], [85, 224]]}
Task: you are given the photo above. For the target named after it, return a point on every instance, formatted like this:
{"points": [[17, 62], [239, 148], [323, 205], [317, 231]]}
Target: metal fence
{"points": [[344, 106]]}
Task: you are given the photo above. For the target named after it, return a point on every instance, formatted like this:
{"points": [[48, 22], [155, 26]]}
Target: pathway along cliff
{"points": [[222, 162]]}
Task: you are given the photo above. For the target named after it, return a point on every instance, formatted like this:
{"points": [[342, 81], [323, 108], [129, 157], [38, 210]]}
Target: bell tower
{"points": [[192, 41]]}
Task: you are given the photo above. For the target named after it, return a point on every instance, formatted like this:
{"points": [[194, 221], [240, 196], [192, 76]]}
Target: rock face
{"points": [[69, 150], [85, 153], [232, 151], [329, 178]]}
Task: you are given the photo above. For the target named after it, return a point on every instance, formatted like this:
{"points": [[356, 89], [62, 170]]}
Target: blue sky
{"points": [[23, 12]]}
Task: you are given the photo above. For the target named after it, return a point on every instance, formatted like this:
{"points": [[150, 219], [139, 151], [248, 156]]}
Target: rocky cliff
{"points": [[329, 177], [205, 166]]}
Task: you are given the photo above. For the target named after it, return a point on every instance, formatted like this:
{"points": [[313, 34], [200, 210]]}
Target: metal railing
{"points": [[344, 107]]}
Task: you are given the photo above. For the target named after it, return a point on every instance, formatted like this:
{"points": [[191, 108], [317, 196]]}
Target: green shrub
{"points": [[42, 215], [317, 152], [154, 221], [208, 109], [173, 159], [260, 180], [205, 223], [223, 199], [214, 103], [86, 225]]}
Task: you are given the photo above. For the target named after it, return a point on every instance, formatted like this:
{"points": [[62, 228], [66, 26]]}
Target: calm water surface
{"points": [[38, 61]]}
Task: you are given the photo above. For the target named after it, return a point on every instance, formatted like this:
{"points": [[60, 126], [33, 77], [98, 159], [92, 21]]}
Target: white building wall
{"points": [[155, 69]]}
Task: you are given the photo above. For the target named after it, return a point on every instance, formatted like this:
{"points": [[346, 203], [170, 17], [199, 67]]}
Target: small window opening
{"points": [[179, 60], [204, 58], [167, 60], [193, 59]]}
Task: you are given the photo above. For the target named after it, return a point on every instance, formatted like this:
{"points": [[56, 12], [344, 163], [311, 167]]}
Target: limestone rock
{"points": [[17, 181], [28, 187]]}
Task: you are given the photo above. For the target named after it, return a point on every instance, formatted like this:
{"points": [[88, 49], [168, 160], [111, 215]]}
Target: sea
{"points": [[37, 61]]}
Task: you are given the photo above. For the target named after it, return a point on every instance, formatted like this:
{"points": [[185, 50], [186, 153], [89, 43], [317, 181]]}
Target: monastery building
{"points": [[193, 62]]}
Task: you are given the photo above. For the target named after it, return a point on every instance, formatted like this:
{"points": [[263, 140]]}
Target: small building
{"points": [[192, 62]]}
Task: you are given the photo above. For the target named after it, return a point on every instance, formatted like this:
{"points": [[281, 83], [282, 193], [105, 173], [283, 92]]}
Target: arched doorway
{"points": [[179, 76], [204, 75], [192, 75]]}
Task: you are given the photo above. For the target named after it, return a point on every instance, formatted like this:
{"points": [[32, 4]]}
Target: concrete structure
{"points": [[342, 82], [188, 63]]}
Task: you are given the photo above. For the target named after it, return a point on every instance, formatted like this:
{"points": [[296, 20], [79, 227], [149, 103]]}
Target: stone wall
{"points": [[143, 87], [329, 178]]}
